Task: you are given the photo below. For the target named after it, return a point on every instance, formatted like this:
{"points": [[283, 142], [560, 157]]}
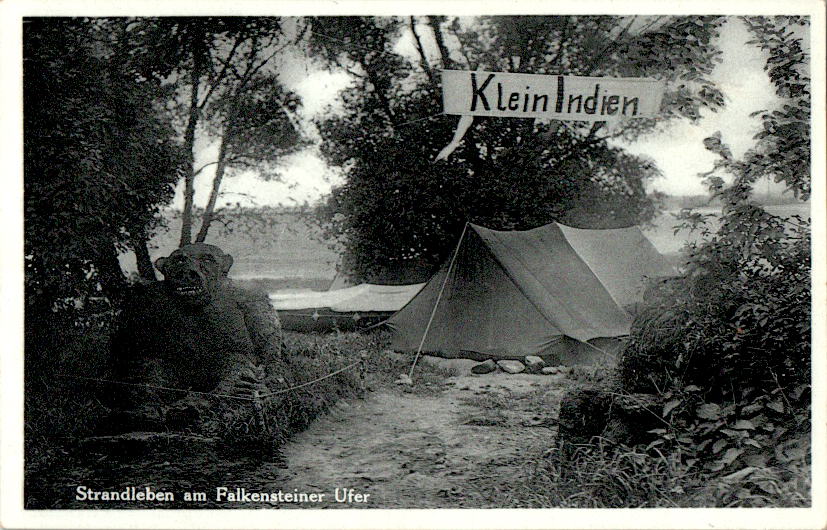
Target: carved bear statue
{"points": [[192, 331]]}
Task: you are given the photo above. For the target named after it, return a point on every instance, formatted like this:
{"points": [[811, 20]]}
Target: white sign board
{"points": [[561, 97]]}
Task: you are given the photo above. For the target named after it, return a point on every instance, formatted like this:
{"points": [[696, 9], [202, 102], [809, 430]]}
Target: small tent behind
{"points": [[545, 291], [343, 309]]}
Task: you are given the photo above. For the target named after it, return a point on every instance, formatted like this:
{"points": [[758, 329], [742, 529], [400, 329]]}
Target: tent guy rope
{"points": [[438, 298]]}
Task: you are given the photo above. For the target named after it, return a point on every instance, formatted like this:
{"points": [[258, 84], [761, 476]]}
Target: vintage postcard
{"points": [[427, 264]]}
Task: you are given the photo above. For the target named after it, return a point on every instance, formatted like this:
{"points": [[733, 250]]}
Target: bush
{"points": [[725, 348], [604, 475], [730, 322]]}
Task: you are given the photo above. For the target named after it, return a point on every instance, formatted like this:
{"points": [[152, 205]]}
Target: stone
{"points": [[484, 368], [549, 370], [533, 364], [511, 367]]}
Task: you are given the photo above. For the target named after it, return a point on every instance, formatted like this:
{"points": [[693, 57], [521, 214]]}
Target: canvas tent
{"points": [[545, 291], [345, 309]]}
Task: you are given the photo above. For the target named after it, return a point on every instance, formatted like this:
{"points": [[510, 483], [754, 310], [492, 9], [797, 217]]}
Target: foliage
{"points": [[398, 206], [740, 311], [783, 147], [604, 475], [55, 426], [731, 321], [225, 74], [727, 344], [99, 160], [309, 358]]}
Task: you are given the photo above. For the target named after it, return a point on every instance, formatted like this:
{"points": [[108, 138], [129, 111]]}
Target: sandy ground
{"points": [[465, 441], [446, 449]]}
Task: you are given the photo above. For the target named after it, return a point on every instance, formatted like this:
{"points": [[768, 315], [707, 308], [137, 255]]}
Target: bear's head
{"points": [[193, 273]]}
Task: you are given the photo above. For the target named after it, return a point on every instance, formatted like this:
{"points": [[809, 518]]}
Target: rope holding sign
{"points": [[462, 127]]}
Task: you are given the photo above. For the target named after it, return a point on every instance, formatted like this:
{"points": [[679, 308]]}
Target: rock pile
{"points": [[531, 364]]}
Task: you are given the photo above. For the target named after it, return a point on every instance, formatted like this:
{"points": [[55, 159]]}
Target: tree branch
{"points": [[444, 54], [254, 70], [564, 38], [596, 126], [423, 60], [650, 24], [223, 72], [602, 55], [462, 49], [354, 73], [202, 168]]}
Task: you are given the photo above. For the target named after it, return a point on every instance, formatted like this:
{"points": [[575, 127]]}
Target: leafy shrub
{"points": [[733, 320], [726, 346], [604, 475]]}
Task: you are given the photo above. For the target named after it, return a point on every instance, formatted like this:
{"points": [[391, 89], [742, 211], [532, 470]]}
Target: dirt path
{"points": [[457, 447]]}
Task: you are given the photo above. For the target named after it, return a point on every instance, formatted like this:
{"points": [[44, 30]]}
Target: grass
{"points": [[603, 475], [383, 366], [597, 475], [60, 416], [61, 411]]}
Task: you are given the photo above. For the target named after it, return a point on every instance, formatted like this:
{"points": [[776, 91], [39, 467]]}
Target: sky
{"points": [[678, 150]]}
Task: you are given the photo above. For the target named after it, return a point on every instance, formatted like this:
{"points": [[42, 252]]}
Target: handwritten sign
{"points": [[561, 97]]}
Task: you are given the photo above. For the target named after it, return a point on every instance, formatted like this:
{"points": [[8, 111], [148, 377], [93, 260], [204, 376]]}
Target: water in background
{"points": [[667, 242], [287, 249]]}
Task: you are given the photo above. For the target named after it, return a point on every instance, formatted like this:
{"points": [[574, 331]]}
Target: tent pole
{"points": [[438, 298]]}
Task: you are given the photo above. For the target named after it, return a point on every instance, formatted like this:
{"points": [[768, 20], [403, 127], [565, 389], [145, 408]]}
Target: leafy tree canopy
{"points": [[397, 206], [99, 159], [227, 91]]}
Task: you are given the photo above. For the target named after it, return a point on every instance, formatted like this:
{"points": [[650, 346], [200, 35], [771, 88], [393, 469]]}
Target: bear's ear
{"points": [[159, 263], [227, 263]]}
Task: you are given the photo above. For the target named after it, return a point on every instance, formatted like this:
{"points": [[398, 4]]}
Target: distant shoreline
{"points": [[677, 202]]}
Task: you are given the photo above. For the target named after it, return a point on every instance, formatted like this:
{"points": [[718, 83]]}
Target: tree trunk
{"points": [[216, 185], [145, 268], [423, 60], [444, 54], [110, 275], [380, 85], [197, 45]]}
